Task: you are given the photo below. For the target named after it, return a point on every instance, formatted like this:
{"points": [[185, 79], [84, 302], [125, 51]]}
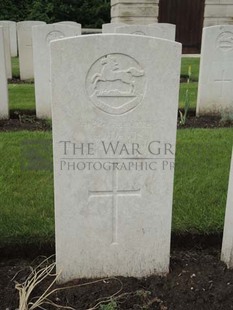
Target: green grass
{"points": [[192, 87], [15, 67], [201, 179], [26, 203], [185, 63], [194, 63], [21, 96]]}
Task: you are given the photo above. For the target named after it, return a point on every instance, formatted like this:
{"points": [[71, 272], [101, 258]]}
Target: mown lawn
{"points": [[15, 67], [201, 179], [194, 63], [22, 96], [201, 175]]}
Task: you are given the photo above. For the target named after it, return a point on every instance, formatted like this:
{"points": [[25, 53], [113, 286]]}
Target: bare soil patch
{"points": [[197, 280], [26, 120]]}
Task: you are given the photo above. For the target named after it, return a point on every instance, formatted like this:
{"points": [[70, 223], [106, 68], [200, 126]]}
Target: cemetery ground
{"points": [[197, 279]]}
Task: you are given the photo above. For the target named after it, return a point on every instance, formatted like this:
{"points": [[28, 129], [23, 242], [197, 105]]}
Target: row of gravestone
{"points": [[215, 94], [18, 39], [114, 108], [33, 41]]}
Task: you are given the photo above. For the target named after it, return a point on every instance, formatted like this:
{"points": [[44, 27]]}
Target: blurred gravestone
{"points": [[24, 31], [7, 47], [110, 27], [42, 36], [13, 37], [163, 31], [215, 95], [4, 109]]}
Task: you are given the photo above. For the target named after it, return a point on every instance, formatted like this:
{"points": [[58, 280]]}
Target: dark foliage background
{"points": [[89, 13]]}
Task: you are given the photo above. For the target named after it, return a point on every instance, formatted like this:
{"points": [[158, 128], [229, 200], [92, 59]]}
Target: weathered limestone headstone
{"points": [[4, 109], [111, 27], [71, 23], [215, 95], [24, 30], [42, 36], [164, 31], [227, 245], [13, 37], [114, 131], [7, 48]]}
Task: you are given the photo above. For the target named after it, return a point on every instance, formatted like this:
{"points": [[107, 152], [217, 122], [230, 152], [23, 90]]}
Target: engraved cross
{"points": [[115, 193], [223, 80]]}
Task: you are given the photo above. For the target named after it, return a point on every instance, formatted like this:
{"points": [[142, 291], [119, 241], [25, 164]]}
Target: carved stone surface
{"points": [[110, 27], [7, 47], [227, 245], [4, 109], [24, 30], [134, 11], [218, 12], [116, 83], [42, 36], [114, 130], [71, 23], [215, 95], [161, 30], [13, 37]]}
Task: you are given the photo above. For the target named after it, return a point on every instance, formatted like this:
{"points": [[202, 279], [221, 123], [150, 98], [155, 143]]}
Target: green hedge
{"points": [[90, 13]]}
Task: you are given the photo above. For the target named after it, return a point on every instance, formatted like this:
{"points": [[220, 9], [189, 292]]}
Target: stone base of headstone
{"points": [[134, 11]]}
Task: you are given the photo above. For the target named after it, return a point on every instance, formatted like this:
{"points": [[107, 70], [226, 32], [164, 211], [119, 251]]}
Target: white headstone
{"points": [[13, 37], [24, 30], [4, 109], [164, 31], [7, 48], [71, 23], [110, 27], [42, 36], [227, 245], [114, 132], [215, 95]]}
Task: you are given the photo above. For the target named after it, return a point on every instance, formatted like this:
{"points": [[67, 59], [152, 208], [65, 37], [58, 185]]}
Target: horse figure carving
{"points": [[112, 73]]}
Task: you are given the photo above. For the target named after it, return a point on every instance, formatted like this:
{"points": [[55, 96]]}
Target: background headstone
{"points": [[4, 109], [7, 48], [24, 31], [110, 27], [42, 36], [114, 207], [164, 31], [215, 95], [227, 245], [13, 37], [71, 23]]}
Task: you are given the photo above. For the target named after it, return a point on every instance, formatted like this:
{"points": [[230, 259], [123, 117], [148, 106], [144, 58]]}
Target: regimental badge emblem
{"points": [[225, 41], [116, 84]]}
